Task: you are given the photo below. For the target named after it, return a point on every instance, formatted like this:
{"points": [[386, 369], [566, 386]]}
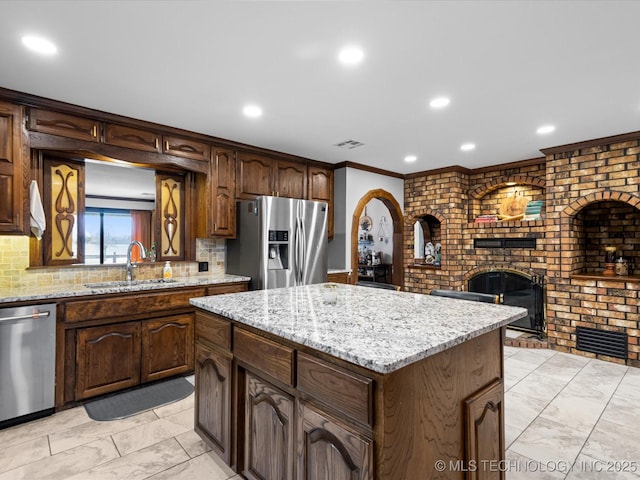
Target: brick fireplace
{"points": [[591, 194]]}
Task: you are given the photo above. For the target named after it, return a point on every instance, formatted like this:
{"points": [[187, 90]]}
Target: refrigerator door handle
{"points": [[296, 253], [303, 251]]}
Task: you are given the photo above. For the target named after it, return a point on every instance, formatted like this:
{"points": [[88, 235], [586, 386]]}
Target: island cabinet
{"points": [[266, 428], [276, 409]]}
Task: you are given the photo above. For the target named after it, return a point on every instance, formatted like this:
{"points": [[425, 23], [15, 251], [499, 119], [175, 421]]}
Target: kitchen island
{"points": [[379, 384]]}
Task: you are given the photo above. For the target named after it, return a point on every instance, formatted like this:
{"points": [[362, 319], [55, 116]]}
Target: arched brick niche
{"points": [[429, 225], [595, 221], [486, 198], [418, 276]]}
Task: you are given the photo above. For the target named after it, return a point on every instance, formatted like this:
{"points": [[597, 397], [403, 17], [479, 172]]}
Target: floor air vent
{"points": [[603, 342]]}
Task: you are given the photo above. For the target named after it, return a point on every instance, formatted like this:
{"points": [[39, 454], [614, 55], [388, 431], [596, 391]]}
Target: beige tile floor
{"points": [[566, 417]]}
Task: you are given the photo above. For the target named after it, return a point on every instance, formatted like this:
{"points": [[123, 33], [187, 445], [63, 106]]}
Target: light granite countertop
{"points": [[381, 330], [54, 292]]}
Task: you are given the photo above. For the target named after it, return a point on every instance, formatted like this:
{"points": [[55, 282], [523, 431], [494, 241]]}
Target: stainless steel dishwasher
{"points": [[27, 362]]}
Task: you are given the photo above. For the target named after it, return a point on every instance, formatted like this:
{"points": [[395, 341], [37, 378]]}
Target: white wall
{"points": [[350, 185]]}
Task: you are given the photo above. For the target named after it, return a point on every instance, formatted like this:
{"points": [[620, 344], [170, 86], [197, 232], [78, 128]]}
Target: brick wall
{"points": [[592, 199], [479, 192]]}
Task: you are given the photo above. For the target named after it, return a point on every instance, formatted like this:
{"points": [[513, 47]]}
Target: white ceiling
{"points": [[508, 67]]}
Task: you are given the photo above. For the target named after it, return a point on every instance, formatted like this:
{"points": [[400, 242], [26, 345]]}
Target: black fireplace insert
{"points": [[517, 290]]}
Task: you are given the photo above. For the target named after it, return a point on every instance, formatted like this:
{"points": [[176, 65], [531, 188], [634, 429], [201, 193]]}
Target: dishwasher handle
{"points": [[34, 316]]}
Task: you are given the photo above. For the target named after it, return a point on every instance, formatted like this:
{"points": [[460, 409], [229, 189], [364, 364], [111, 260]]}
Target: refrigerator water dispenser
{"points": [[278, 256]]}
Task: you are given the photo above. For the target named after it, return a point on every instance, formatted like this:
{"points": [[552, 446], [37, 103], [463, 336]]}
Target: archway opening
{"points": [[393, 232]]}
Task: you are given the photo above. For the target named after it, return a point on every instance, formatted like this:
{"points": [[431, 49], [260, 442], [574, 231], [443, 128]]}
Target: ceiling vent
{"points": [[349, 144]]}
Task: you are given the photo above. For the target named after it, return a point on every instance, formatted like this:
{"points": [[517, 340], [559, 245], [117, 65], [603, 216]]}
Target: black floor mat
{"points": [[129, 403]]}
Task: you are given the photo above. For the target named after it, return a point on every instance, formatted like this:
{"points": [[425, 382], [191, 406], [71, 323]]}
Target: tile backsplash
{"points": [[15, 271]]}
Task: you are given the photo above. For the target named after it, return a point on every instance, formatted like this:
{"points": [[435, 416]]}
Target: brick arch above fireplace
{"points": [[481, 269], [495, 183]]}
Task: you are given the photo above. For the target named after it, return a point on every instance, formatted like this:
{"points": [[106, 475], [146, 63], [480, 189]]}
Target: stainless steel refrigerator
{"points": [[280, 242]]}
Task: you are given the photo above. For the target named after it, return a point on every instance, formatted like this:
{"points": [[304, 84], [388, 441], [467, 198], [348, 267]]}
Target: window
{"points": [[108, 233]]}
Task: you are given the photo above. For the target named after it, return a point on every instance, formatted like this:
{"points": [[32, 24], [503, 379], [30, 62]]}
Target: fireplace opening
{"points": [[515, 289]]}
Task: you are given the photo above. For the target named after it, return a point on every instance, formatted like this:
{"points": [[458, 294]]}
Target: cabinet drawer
{"points": [[227, 288], [349, 392], [128, 305], [264, 355], [216, 330], [181, 147], [129, 137], [69, 126]]}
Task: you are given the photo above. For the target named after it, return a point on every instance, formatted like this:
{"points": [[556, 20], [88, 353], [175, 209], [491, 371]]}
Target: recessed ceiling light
{"points": [[39, 45], [439, 102], [466, 147], [351, 55], [545, 129], [410, 158], [252, 111]]}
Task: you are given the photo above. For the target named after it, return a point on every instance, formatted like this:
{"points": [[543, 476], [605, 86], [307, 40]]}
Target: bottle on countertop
{"points": [[167, 273]]}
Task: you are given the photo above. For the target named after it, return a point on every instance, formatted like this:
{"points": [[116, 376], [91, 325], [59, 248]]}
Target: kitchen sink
{"points": [[125, 283]]}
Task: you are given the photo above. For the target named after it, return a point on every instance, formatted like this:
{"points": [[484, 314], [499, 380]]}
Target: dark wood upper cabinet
{"points": [[254, 176], [290, 179], [223, 193], [64, 125], [257, 175], [13, 171], [182, 147], [321, 189], [130, 137]]}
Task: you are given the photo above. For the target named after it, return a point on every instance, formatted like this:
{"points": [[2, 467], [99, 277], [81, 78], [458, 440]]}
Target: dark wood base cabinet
{"points": [[213, 406], [122, 355], [275, 410], [269, 431], [111, 342], [108, 359], [167, 347], [327, 450]]}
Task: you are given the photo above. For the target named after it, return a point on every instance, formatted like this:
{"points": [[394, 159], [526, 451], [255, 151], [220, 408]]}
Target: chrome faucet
{"points": [[131, 266]]}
